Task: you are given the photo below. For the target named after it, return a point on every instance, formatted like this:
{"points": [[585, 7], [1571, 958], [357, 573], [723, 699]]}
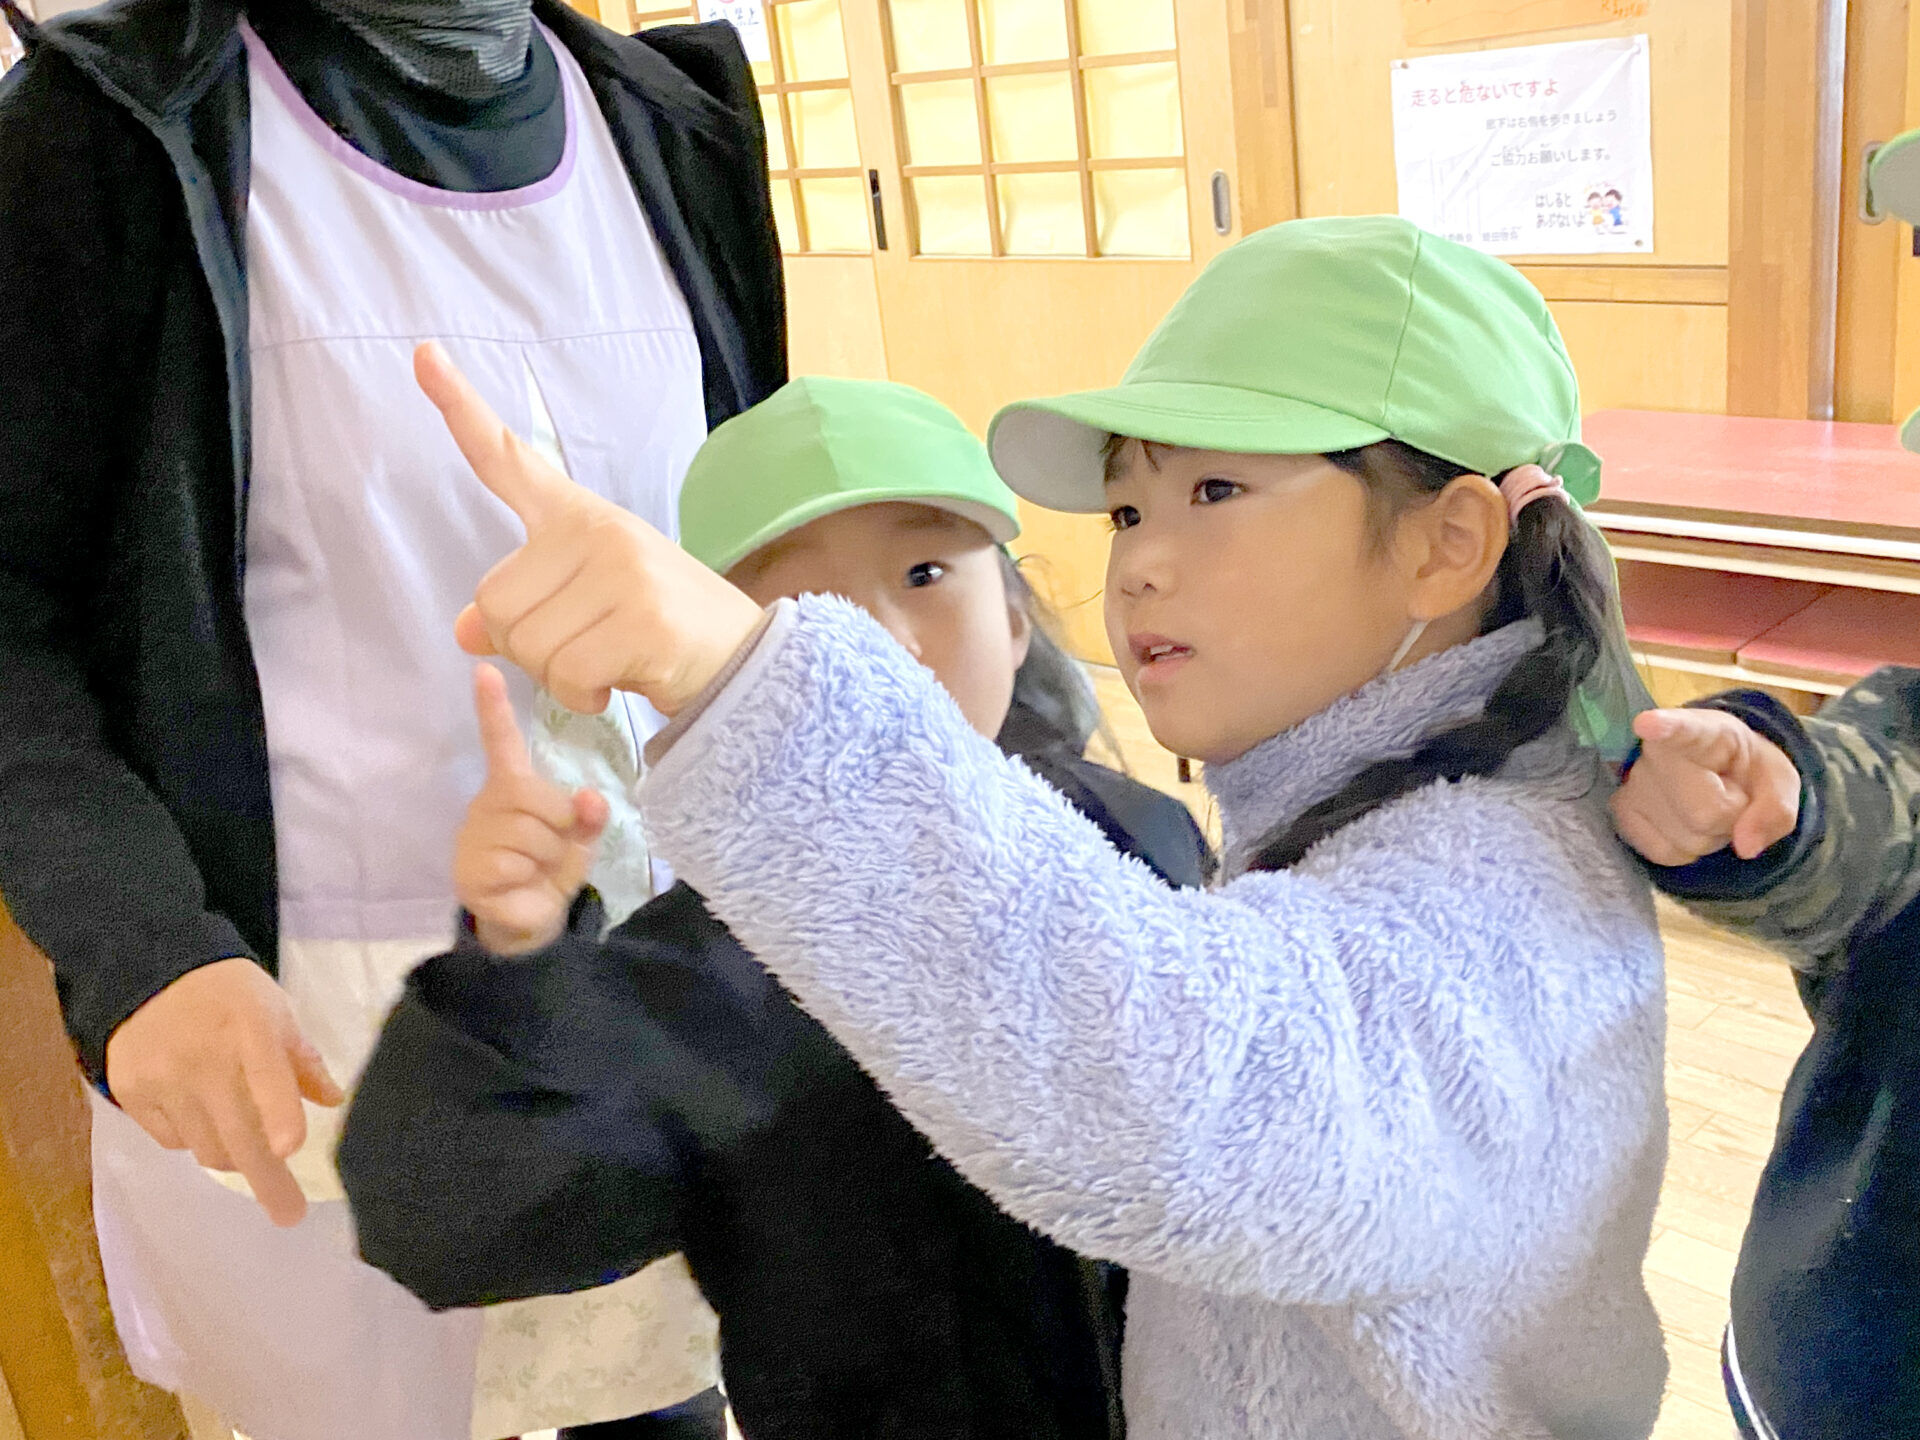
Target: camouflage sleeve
{"points": [[1855, 858]]}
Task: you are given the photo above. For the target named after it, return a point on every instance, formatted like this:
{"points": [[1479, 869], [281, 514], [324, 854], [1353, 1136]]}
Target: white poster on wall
{"points": [[1541, 150], [749, 18]]}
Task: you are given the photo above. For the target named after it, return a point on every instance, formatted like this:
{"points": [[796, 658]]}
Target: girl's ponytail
{"points": [[1557, 570]]}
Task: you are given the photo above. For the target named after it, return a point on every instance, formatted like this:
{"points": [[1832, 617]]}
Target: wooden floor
{"points": [[1734, 1028]]}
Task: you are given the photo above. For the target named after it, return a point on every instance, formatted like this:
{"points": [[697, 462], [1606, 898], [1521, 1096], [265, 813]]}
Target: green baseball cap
{"points": [[818, 445], [1892, 187], [1323, 335], [1893, 180]]}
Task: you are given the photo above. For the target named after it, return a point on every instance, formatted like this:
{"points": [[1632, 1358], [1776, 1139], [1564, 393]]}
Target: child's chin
{"points": [[1176, 729]]}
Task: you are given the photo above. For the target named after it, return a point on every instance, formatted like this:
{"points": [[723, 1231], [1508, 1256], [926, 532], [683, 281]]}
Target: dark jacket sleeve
{"points": [[1854, 857], [92, 866], [538, 1124]]}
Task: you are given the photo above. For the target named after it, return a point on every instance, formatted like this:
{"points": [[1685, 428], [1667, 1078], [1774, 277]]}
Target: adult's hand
{"points": [[216, 1064], [597, 600], [1705, 781]]}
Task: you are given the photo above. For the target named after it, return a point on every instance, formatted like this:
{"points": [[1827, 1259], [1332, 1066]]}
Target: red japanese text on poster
{"points": [[1540, 150]]}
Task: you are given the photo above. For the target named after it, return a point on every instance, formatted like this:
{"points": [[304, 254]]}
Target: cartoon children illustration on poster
{"points": [[1606, 211]]}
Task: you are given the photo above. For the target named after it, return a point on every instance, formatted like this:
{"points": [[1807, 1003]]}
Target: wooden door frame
{"points": [[1783, 211], [59, 1353]]}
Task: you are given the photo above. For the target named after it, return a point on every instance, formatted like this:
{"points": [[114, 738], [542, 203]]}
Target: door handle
{"points": [[1222, 204], [879, 210]]}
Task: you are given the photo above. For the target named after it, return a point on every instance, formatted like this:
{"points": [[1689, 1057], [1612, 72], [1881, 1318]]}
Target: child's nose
{"points": [[1139, 565]]}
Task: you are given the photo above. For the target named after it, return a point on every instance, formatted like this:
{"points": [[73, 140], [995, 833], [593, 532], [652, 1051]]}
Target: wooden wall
{"points": [[60, 1360], [1645, 331]]}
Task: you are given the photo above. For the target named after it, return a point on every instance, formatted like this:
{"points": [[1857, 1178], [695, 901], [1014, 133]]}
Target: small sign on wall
{"points": [[749, 18], [1443, 22], [1542, 150]]}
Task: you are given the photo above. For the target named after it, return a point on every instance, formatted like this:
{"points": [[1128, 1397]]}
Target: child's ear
{"points": [[1021, 624], [1455, 545]]}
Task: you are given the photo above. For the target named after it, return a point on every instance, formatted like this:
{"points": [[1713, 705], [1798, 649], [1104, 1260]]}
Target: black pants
{"points": [[704, 1417]]}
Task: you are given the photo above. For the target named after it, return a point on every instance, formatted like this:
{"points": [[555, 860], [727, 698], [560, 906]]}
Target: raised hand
{"points": [[527, 845], [216, 1064], [1705, 781], [597, 600]]}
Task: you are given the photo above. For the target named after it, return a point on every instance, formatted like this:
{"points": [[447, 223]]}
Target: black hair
{"points": [[1050, 682], [1551, 571]]}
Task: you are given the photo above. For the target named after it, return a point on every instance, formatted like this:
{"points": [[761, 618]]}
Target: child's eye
{"points": [[1213, 490], [926, 573], [1123, 517]]}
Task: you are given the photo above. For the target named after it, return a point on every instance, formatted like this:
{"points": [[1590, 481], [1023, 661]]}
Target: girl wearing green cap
{"points": [[531, 1127], [1377, 1126]]}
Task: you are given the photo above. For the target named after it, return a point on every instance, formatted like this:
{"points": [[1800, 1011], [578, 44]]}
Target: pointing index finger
{"points": [[529, 486], [500, 738]]}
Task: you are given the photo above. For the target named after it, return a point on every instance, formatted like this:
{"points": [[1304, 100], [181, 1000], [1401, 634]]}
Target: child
{"points": [[1377, 1127], [534, 1125], [1806, 834]]}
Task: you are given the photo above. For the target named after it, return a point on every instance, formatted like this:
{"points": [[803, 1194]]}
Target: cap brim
{"points": [[1893, 179], [1049, 451], [999, 526]]}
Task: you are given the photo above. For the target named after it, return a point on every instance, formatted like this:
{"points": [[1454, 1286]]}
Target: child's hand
{"points": [[525, 849], [1704, 781], [597, 600]]}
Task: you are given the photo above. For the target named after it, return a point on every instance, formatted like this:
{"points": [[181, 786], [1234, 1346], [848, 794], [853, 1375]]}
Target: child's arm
{"points": [[536, 1125], [1849, 857], [531, 1118], [1212, 1088]]}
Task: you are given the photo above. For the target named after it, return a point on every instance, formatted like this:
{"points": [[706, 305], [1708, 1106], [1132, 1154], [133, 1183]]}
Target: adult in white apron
{"points": [[363, 536]]}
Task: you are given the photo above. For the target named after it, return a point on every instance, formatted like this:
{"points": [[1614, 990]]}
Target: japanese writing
{"points": [[1552, 122], [1470, 93], [1520, 155]]}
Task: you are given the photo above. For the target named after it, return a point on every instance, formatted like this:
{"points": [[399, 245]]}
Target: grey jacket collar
{"points": [[1386, 719]]}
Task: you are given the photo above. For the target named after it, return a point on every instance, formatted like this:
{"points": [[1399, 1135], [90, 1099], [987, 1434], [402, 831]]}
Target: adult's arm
{"points": [[92, 866]]}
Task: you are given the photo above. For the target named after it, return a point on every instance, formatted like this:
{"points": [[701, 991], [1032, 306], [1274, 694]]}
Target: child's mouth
{"points": [[1156, 655]]}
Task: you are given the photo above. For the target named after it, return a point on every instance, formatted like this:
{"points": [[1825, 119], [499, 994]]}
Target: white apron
{"points": [[366, 533]]}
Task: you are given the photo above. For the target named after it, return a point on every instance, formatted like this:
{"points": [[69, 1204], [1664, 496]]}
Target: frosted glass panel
{"points": [[1031, 117], [811, 44], [1125, 27], [783, 216], [1141, 212], [823, 137], [836, 214], [1013, 32], [951, 211], [1041, 214], [942, 126], [929, 34], [1133, 111], [776, 134], [763, 74]]}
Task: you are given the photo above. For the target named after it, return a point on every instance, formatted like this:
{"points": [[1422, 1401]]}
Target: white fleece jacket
{"points": [[1380, 1138]]}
